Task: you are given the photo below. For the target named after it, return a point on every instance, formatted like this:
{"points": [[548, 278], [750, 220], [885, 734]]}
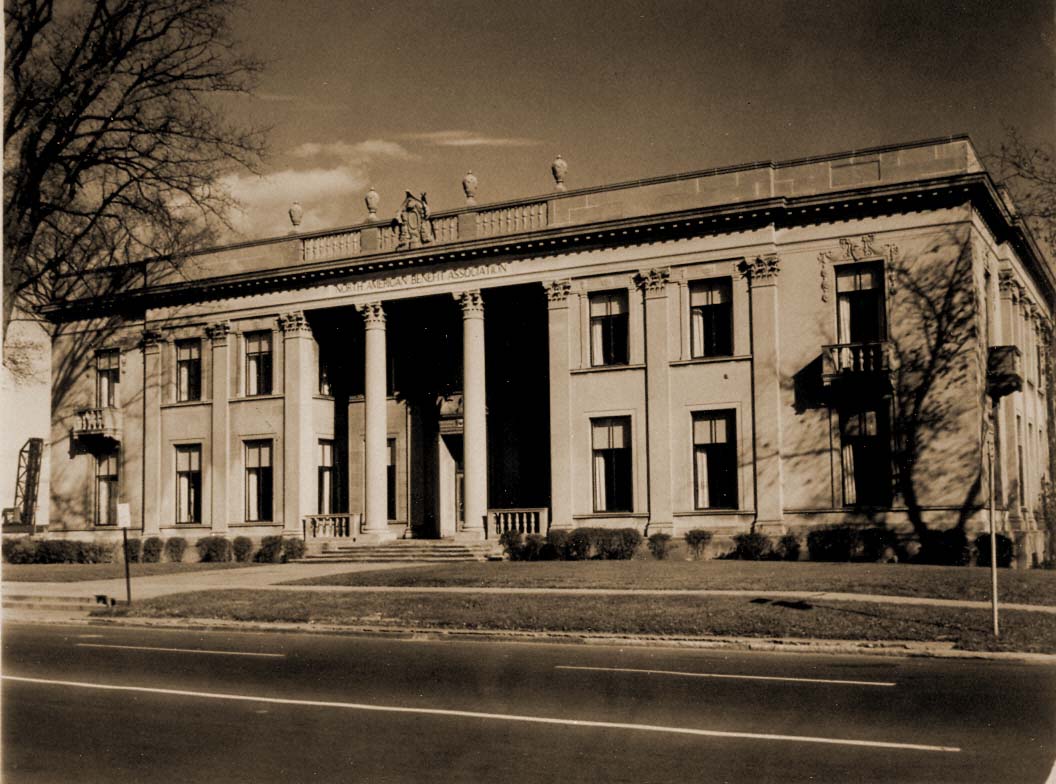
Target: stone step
{"points": [[402, 551], [55, 603]]}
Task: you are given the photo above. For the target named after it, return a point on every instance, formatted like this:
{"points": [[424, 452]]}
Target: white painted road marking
{"points": [[733, 677], [609, 725], [178, 650]]}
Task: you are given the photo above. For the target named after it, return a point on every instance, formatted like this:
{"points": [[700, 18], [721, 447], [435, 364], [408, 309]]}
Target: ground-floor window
{"points": [[189, 483], [865, 453], [326, 476], [258, 481], [106, 489], [715, 460], [390, 477], [611, 443]]}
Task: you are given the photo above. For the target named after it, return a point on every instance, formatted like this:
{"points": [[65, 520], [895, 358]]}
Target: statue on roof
{"points": [[413, 223]]}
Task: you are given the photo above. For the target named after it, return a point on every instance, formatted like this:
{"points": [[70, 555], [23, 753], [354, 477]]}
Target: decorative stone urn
{"points": [[296, 213], [558, 169], [372, 200], [469, 185]]}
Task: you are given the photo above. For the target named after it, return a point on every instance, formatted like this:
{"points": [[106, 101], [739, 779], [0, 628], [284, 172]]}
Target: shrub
{"points": [[577, 547], [788, 547], [556, 545], [133, 550], [213, 549], [152, 549], [945, 548], [877, 544], [95, 552], [1005, 550], [510, 541], [660, 546], [614, 544], [270, 550], [292, 549], [52, 551], [20, 551], [242, 549], [698, 540], [832, 542], [751, 547], [175, 547]]}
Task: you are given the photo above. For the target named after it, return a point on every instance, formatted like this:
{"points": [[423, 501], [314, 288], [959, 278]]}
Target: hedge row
{"points": [[579, 544], [211, 549]]}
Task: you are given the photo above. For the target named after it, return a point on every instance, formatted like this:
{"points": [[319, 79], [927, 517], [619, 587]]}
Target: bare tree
{"points": [[1029, 173], [114, 145]]}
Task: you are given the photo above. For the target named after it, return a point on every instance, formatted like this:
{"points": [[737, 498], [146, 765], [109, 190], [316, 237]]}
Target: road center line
{"points": [[788, 679], [875, 744], [179, 650]]}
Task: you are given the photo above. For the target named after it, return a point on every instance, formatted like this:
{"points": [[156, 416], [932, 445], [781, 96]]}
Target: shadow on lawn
{"points": [[892, 615]]}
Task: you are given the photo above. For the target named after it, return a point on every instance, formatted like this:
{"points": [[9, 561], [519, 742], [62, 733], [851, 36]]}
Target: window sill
{"points": [[251, 398], [712, 512], [261, 524], [603, 515], [186, 403], [712, 360], [606, 369]]}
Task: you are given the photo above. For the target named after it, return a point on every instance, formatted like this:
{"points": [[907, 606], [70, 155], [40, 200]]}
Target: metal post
{"points": [[993, 531], [128, 578]]}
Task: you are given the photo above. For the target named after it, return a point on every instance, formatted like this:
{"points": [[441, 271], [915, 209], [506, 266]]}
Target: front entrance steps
{"points": [[403, 550]]}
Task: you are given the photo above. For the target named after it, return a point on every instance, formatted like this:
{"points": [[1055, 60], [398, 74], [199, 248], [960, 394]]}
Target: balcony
{"points": [[866, 362], [97, 426]]}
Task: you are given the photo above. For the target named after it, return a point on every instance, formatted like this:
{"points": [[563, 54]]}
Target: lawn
{"points": [[649, 615], [1034, 586], [72, 573]]}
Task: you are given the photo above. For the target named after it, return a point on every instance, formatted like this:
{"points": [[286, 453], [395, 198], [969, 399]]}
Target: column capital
{"points": [[1008, 285], [653, 281], [557, 291], [373, 314], [295, 323], [218, 331], [472, 303], [764, 269], [151, 338]]}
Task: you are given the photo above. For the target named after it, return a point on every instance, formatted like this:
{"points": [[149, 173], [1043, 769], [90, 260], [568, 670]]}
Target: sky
{"points": [[412, 95]]}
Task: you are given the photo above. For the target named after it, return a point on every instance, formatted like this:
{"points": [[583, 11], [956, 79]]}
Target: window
{"points": [[258, 363], [611, 441], [1020, 468], [106, 489], [711, 318], [390, 477], [258, 481], [107, 377], [865, 447], [189, 483], [326, 477], [325, 387], [188, 370], [608, 328], [860, 303], [715, 460]]}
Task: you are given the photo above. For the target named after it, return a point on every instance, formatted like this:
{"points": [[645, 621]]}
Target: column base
{"points": [[376, 537], [659, 527], [472, 535]]}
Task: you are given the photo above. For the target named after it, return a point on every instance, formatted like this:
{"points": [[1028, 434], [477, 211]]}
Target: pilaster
{"points": [[654, 285], [220, 436], [152, 487], [762, 274]]}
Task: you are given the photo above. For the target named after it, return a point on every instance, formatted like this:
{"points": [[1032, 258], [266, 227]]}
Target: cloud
{"points": [[470, 139], [330, 197], [359, 152]]}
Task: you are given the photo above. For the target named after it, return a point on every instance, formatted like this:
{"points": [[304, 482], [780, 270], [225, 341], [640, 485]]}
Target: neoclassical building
{"points": [[778, 345]]}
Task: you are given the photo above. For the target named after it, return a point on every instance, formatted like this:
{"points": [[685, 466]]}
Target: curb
{"points": [[904, 648]]}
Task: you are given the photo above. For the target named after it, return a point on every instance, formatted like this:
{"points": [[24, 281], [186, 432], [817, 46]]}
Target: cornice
{"points": [[781, 212]]}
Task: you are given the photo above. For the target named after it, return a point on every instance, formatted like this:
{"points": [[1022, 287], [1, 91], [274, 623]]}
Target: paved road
{"points": [[90, 704]]}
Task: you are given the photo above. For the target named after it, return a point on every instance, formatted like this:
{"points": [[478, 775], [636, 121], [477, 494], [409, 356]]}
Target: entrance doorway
{"points": [[451, 483]]}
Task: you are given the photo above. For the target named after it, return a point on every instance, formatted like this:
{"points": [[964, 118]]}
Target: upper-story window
{"points": [[608, 328], [107, 377], [860, 311], [325, 387], [188, 370], [711, 318], [258, 363]]}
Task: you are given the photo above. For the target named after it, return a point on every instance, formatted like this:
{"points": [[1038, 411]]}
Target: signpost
{"points": [[124, 522]]}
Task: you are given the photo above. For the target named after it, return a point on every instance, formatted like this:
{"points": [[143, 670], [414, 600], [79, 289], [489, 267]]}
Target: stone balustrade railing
{"points": [[384, 237], [522, 521], [332, 526]]}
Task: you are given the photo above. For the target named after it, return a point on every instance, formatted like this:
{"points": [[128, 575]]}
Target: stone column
{"points": [[376, 517], [474, 428], [657, 398], [220, 438], [152, 487], [560, 404], [762, 280], [299, 378]]}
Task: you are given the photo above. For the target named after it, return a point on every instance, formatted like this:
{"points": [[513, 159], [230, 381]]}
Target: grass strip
{"points": [[939, 582], [72, 573], [706, 616]]}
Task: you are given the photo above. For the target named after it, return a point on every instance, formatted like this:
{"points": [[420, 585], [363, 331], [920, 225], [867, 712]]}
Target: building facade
{"points": [[777, 345]]}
